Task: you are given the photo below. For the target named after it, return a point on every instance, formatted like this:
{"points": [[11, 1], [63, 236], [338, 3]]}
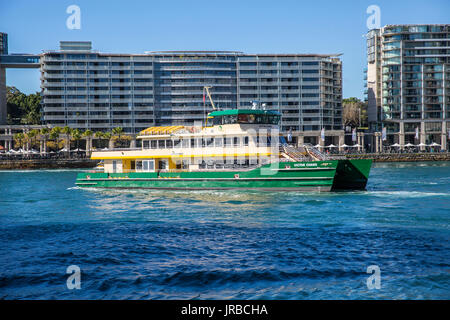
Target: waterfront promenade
{"points": [[25, 163]]}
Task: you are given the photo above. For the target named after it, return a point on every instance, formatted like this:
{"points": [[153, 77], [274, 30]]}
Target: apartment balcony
{"points": [[46, 100], [53, 67], [61, 117], [99, 92], [143, 67], [122, 117], [98, 68], [49, 58], [52, 76], [121, 100], [120, 68], [99, 117], [143, 76], [98, 75], [287, 123], [99, 84], [74, 92], [143, 100], [120, 92], [93, 100], [100, 125], [121, 76]]}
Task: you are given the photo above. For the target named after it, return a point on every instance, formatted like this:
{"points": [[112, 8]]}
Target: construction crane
{"points": [[209, 96]]}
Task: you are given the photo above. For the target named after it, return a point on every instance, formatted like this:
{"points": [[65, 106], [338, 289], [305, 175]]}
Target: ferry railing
{"points": [[294, 153]]}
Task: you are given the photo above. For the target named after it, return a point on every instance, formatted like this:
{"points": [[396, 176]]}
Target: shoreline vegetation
{"points": [[86, 163]]}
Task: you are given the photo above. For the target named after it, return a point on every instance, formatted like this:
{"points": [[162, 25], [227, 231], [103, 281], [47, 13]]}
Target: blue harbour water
{"points": [[145, 244]]}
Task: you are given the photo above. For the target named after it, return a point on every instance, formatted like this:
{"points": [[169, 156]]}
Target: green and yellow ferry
{"points": [[235, 149]]}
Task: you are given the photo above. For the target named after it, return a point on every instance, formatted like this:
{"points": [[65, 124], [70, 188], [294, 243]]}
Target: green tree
{"points": [[22, 108], [19, 139]]}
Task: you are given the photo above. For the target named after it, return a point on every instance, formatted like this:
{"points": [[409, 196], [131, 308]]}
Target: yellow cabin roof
{"points": [[160, 130]]}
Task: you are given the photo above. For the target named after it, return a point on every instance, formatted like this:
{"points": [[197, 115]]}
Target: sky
{"points": [[281, 26]]}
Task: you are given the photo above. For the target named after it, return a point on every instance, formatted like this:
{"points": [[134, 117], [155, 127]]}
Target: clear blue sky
{"points": [[277, 26]]}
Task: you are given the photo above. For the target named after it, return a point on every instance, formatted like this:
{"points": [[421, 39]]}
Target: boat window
{"points": [[218, 142], [245, 141], [236, 141], [177, 143], [169, 144], [161, 144], [146, 144], [210, 142], [145, 165], [192, 143], [162, 164], [185, 143], [185, 164], [201, 143], [227, 142], [217, 121], [153, 144]]}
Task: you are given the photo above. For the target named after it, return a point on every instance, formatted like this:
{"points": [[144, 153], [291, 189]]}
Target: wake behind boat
{"points": [[236, 149]]}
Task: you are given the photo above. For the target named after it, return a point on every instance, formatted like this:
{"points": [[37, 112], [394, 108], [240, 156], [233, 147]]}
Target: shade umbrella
{"points": [[317, 146], [63, 150], [331, 146], [78, 150], [356, 145], [395, 145], [434, 144], [344, 146], [409, 145], [421, 145], [104, 149]]}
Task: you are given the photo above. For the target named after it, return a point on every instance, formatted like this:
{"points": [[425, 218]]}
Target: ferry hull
{"points": [[283, 176]]}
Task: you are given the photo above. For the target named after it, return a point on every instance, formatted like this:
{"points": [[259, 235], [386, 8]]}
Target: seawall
{"points": [[47, 164], [402, 157]]}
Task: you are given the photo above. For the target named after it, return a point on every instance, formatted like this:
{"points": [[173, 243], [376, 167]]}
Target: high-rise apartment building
{"points": [[85, 89], [408, 82]]}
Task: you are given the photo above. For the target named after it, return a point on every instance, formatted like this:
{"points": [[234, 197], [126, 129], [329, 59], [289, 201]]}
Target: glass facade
{"points": [[86, 89], [415, 76]]}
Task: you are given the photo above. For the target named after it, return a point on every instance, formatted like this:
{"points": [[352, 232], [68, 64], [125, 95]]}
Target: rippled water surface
{"points": [[145, 244]]}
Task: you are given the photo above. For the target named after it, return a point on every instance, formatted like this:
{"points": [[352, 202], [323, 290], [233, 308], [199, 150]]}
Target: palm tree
{"points": [[88, 135], [54, 135], [76, 136], [32, 134], [108, 135], [44, 134], [68, 132]]}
